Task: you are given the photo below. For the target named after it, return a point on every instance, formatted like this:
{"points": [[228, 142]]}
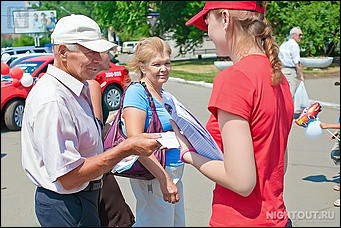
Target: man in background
{"points": [[289, 54]]}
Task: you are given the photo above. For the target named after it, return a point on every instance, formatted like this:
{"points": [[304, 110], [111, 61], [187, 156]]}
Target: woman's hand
{"points": [[184, 143], [169, 191]]}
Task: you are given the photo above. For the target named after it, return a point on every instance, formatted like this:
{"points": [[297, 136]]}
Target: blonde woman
{"points": [[251, 116], [159, 202]]}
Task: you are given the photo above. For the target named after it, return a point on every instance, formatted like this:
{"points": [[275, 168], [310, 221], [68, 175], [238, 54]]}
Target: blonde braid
{"points": [[271, 50]]}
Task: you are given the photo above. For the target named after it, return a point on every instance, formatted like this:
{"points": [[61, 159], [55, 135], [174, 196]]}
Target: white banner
{"points": [[34, 21]]}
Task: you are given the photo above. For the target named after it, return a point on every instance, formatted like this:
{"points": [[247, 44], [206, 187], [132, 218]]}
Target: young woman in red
{"points": [[251, 116]]}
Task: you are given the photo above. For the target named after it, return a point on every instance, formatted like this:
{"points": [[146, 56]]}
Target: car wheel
{"points": [[112, 97], [14, 114]]}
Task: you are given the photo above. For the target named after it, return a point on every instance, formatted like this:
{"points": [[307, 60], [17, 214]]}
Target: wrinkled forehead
{"points": [[159, 57]]}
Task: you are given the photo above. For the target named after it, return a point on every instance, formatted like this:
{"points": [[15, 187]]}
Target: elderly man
{"points": [[62, 150], [289, 54]]}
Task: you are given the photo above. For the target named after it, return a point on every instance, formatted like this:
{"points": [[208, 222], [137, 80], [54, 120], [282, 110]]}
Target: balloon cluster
{"points": [[17, 74], [309, 120]]}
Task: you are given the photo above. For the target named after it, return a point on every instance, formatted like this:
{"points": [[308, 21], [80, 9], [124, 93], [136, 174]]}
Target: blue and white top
{"points": [[136, 96]]}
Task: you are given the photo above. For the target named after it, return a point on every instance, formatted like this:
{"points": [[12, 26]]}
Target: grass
{"points": [[206, 77], [331, 71], [194, 70]]}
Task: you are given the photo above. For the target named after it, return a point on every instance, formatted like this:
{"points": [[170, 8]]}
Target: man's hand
{"points": [[143, 144], [299, 69]]}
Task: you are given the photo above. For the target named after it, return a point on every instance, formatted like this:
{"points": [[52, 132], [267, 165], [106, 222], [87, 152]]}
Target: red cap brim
{"points": [[198, 20]]}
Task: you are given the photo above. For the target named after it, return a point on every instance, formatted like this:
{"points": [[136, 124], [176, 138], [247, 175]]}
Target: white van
{"points": [[129, 47]]}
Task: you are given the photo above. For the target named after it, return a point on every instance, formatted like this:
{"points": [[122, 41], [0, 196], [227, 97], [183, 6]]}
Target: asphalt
{"points": [[309, 180]]}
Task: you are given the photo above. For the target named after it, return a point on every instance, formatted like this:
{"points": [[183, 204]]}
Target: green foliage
{"points": [[23, 40], [319, 21], [173, 17], [75, 7], [132, 24], [46, 39], [6, 42], [127, 18]]}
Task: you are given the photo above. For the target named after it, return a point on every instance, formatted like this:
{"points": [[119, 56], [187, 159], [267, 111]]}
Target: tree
{"points": [[24, 40], [173, 17], [6, 42], [127, 18], [319, 21], [75, 7]]}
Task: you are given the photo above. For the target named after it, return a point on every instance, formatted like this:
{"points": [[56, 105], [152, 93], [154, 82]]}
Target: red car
{"points": [[112, 82], [13, 98]]}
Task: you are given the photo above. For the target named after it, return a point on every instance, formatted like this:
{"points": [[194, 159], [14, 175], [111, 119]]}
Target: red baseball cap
{"points": [[198, 20]]}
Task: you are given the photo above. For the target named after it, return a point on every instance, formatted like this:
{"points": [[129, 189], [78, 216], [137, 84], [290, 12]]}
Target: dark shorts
{"points": [[67, 210]]}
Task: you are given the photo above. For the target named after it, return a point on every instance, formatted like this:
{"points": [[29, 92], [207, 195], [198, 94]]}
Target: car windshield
{"points": [[29, 67]]}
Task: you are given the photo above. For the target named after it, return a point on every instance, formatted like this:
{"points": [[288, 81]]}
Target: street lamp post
{"points": [[152, 19], [62, 7]]}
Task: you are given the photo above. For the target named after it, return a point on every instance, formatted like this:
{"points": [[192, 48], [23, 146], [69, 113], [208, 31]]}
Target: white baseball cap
{"points": [[80, 29]]}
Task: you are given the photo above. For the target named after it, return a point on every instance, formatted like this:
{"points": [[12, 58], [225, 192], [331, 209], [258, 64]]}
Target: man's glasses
{"points": [[300, 35]]}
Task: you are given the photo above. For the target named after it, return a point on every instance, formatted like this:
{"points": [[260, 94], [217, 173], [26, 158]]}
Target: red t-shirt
{"points": [[245, 89]]}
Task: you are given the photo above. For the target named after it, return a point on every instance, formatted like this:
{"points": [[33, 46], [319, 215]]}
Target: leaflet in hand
{"points": [[167, 140], [196, 134], [125, 164]]}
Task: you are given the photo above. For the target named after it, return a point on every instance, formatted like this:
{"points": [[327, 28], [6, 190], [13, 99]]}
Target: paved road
{"points": [[309, 180]]}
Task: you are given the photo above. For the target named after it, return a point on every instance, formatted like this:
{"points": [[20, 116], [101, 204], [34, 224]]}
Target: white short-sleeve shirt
{"points": [[59, 130], [289, 53]]}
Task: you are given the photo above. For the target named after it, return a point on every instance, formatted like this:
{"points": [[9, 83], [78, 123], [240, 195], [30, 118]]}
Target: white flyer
{"points": [[168, 140], [196, 134]]}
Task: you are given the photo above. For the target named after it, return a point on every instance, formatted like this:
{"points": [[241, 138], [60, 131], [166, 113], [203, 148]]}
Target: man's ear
{"points": [[62, 51]]}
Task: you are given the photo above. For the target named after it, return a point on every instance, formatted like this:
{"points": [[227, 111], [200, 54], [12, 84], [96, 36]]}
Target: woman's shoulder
{"points": [[136, 92], [230, 72], [232, 75], [135, 87]]}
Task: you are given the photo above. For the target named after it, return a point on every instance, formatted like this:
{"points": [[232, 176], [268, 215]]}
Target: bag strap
{"points": [[149, 95], [155, 119]]}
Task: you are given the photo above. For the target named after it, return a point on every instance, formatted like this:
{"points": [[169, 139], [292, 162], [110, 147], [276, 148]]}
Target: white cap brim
{"points": [[98, 45]]}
